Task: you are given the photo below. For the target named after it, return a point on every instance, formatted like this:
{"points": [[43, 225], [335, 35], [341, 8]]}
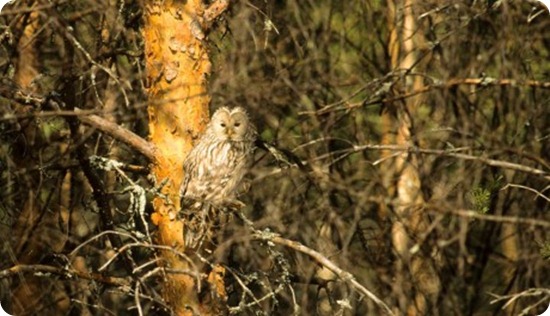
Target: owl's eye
{"points": [[237, 124], [222, 124]]}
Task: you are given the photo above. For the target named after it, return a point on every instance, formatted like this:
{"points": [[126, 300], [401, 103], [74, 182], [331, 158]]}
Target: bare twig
{"points": [[545, 293], [70, 36], [137, 300], [323, 260], [98, 191], [95, 237], [539, 194], [494, 218], [482, 82], [145, 245], [454, 154], [247, 291], [42, 269]]}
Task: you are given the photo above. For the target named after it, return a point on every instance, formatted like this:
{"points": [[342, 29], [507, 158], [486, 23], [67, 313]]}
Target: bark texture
{"points": [[178, 66]]}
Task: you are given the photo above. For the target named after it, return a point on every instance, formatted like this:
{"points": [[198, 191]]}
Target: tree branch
{"points": [[36, 269], [494, 218], [482, 82], [9, 91], [454, 154], [119, 133], [215, 9], [321, 259]]}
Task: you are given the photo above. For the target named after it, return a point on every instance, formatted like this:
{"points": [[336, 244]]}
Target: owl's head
{"points": [[231, 124]]}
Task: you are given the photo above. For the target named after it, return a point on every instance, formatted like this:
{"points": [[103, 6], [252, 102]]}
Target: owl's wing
{"points": [[184, 185], [188, 166]]}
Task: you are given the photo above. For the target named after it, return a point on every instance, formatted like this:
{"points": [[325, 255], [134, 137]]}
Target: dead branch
{"points": [[38, 269], [120, 133], [427, 151], [481, 82], [493, 218], [533, 292], [539, 194], [454, 154], [323, 260]]}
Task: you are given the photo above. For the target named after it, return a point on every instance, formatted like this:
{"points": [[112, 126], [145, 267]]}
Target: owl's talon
{"points": [[232, 205]]}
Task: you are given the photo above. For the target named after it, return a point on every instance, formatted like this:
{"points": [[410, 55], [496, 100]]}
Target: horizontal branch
{"points": [[37, 269], [457, 155], [495, 218], [487, 81], [451, 83], [482, 82]]}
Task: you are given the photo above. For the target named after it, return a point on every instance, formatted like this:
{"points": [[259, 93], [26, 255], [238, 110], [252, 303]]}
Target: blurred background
{"points": [[422, 127]]}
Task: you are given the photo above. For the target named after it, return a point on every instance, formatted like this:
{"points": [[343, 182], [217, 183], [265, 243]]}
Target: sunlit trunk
{"points": [[403, 182], [178, 67]]}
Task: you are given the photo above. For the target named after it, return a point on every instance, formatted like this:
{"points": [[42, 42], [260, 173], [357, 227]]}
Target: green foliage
{"points": [[480, 199], [545, 250]]}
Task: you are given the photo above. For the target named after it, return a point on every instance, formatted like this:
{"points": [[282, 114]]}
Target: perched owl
{"points": [[215, 168]]}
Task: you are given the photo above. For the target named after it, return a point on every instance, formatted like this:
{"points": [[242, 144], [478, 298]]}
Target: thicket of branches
{"points": [[318, 79]]}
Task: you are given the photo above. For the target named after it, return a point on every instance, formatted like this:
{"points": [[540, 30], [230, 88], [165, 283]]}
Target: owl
{"points": [[215, 167]]}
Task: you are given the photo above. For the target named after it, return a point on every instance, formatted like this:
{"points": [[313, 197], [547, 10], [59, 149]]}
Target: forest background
{"points": [[412, 174]]}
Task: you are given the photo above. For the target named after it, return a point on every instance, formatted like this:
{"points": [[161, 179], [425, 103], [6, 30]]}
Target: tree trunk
{"points": [[32, 233], [411, 221], [178, 66]]}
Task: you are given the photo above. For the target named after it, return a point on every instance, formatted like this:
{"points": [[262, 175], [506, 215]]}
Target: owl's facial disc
{"points": [[230, 125]]}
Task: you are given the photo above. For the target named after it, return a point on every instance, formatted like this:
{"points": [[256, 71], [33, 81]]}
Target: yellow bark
{"points": [[411, 220], [178, 65]]}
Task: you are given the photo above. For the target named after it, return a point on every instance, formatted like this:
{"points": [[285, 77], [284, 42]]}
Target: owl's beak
{"points": [[229, 133]]}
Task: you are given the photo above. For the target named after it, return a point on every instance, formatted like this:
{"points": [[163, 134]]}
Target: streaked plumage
{"points": [[216, 166]]}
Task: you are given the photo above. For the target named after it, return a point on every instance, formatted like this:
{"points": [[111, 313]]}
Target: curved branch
{"points": [[321, 259], [119, 133], [9, 91]]}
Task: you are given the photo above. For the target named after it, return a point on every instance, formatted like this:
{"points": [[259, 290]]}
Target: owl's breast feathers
{"points": [[217, 170]]}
